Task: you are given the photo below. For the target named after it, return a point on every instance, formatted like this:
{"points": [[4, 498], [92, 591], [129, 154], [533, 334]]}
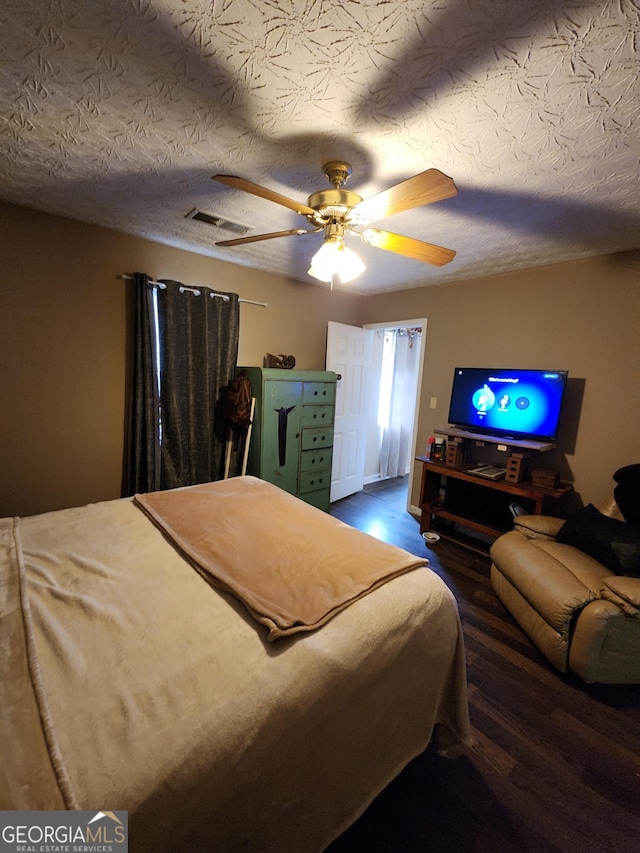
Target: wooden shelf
{"points": [[539, 446], [476, 503]]}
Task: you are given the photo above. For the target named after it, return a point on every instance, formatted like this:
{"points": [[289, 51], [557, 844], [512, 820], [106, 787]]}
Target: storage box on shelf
{"points": [[517, 467], [546, 478]]}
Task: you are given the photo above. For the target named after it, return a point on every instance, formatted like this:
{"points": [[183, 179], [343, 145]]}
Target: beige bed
{"points": [[127, 681]]}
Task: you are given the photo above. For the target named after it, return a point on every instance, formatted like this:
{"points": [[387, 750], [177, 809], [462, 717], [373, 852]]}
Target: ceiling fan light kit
{"points": [[334, 258], [338, 211]]}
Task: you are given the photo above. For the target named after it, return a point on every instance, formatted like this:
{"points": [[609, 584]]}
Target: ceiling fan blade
{"points": [[425, 188], [263, 192], [427, 252], [255, 237]]}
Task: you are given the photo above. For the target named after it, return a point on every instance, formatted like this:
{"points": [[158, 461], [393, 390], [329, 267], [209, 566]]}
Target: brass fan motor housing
{"points": [[333, 202]]}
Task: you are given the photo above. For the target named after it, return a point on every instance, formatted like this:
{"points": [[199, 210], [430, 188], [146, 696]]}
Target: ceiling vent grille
{"points": [[217, 221]]}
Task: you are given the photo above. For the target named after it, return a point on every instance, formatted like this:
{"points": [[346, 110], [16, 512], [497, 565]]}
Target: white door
{"points": [[348, 356]]}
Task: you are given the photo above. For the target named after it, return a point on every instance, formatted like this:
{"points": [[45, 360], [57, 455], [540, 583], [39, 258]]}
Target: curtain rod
{"points": [[402, 330], [196, 291]]}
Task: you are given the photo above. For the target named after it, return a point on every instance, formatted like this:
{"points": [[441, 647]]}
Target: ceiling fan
{"points": [[338, 211]]}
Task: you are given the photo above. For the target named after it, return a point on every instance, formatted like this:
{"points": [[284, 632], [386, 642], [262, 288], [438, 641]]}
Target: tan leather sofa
{"points": [[583, 618]]}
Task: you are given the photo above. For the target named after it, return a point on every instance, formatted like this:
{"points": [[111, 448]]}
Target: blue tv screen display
{"points": [[518, 404]]}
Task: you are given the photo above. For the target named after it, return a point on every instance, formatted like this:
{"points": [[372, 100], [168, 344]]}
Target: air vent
{"points": [[217, 221]]}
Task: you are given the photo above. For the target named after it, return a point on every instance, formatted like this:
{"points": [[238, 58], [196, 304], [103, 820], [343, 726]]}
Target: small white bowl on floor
{"points": [[430, 538]]}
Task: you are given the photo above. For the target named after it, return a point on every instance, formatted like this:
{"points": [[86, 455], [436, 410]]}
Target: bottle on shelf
{"points": [[439, 449]]}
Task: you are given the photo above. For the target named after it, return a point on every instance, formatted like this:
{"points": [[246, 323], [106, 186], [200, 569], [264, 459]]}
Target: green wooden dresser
{"points": [[292, 436]]}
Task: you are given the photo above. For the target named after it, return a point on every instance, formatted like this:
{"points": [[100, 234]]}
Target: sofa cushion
{"points": [[613, 543]]}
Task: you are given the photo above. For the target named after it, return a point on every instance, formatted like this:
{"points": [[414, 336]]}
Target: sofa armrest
{"points": [[623, 591], [538, 526]]}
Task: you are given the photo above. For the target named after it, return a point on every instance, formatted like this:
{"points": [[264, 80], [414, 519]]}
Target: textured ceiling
{"points": [[118, 112]]}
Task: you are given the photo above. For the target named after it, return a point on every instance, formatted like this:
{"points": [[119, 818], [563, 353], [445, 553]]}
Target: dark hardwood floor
{"points": [[555, 763]]}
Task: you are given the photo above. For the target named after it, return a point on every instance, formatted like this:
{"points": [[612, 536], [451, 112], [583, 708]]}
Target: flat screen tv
{"points": [[516, 404]]}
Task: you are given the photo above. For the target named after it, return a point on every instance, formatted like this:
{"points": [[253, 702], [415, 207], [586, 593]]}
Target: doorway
{"points": [[380, 394], [395, 378]]}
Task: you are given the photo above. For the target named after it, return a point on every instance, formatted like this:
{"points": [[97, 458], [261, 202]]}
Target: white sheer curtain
{"points": [[396, 410]]}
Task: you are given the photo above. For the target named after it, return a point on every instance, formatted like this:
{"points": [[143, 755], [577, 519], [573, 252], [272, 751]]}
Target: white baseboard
{"points": [[376, 478], [372, 478]]}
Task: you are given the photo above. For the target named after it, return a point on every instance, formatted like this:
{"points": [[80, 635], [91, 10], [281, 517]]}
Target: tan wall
{"points": [[63, 347], [581, 316]]}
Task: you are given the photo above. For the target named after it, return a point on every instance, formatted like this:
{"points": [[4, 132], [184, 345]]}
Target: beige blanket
{"points": [[291, 565]]}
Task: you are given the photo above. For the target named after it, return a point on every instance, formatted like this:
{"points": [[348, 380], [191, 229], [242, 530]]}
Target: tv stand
{"points": [[451, 497]]}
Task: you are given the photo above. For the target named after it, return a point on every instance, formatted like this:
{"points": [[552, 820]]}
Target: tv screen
{"points": [[518, 404]]}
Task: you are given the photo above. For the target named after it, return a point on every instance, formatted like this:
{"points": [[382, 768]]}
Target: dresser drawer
{"points": [[316, 416], [311, 481], [314, 437], [319, 499], [318, 392], [315, 460]]}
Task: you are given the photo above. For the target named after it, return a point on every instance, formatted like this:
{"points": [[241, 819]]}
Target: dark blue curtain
{"points": [[142, 455], [177, 434]]}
